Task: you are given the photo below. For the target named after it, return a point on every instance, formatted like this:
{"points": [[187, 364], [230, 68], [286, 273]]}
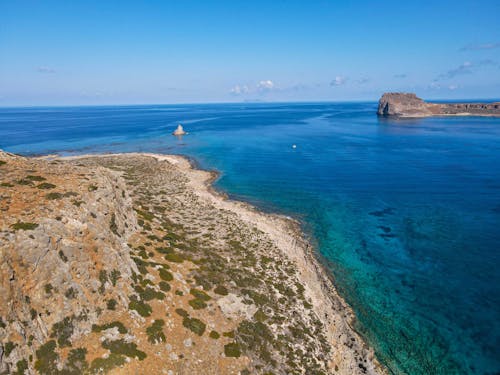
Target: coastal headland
{"points": [[397, 104], [132, 263]]}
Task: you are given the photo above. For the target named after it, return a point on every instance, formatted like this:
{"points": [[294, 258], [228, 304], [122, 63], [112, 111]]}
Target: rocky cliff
{"points": [[128, 264], [409, 105]]}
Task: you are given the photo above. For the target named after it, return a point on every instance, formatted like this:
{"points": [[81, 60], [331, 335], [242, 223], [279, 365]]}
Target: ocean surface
{"points": [[405, 213]]}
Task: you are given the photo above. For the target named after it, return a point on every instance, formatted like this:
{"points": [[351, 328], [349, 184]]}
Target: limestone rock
{"points": [[179, 130], [396, 104], [402, 104]]}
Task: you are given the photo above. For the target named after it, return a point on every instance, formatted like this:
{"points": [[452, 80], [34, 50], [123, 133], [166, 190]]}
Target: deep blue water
{"points": [[406, 214]]}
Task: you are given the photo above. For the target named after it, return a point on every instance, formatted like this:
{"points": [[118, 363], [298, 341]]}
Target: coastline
{"points": [[336, 315]]}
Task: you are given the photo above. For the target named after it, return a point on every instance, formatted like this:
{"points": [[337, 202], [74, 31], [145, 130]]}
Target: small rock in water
{"points": [[179, 130]]}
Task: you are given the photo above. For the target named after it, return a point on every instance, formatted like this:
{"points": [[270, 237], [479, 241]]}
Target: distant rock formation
{"points": [[179, 130], [409, 105]]}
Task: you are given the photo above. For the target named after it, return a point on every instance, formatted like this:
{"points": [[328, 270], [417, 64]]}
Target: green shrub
{"points": [[70, 293], [165, 275], [149, 294], [155, 332], [112, 225], [21, 366], [53, 196], [9, 347], [48, 288], [24, 226], [111, 304], [182, 313], [63, 257], [103, 327], [195, 325], [104, 365], [164, 286], [221, 290], [35, 178], [199, 294], [128, 349], [214, 335], [174, 257], [114, 276], [232, 350], [62, 331], [45, 186], [143, 309], [46, 362], [24, 182], [197, 304]]}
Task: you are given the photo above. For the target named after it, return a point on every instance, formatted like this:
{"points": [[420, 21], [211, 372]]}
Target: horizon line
{"points": [[462, 100]]}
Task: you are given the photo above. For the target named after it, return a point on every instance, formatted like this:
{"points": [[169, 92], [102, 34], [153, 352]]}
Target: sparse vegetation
{"points": [[53, 196], [111, 304], [103, 327], [155, 332], [195, 325], [122, 347], [35, 178], [48, 288], [104, 365], [24, 226], [62, 331], [112, 224], [214, 335], [143, 309], [232, 350], [9, 347], [45, 186], [71, 293]]}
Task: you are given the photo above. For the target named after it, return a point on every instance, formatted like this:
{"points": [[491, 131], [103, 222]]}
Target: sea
{"points": [[404, 214]]}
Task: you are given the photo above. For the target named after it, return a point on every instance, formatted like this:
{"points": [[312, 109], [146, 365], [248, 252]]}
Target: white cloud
{"points": [[338, 81], [261, 87], [239, 90], [453, 87], [266, 85]]}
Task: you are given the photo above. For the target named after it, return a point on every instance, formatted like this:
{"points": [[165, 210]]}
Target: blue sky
{"points": [[137, 52]]}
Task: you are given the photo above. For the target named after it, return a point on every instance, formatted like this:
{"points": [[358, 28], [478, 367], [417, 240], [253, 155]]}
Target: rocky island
{"points": [[132, 264], [409, 105]]}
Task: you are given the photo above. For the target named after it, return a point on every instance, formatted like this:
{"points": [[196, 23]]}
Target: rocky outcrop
{"points": [[409, 105], [130, 264], [179, 130], [63, 255]]}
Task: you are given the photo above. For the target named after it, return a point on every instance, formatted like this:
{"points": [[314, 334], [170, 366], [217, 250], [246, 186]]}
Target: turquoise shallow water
{"points": [[406, 214]]}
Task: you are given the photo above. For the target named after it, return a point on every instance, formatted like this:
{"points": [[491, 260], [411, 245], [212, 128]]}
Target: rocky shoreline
{"points": [[397, 104], [262, 301]]}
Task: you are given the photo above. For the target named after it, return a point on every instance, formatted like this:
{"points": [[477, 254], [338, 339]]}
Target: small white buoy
{"points": [[294, 146]]}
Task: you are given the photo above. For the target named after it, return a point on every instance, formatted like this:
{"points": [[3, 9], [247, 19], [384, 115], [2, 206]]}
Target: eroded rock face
{"points": [[402, 104], [409, 105], [63, 253], [128, 264]]}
